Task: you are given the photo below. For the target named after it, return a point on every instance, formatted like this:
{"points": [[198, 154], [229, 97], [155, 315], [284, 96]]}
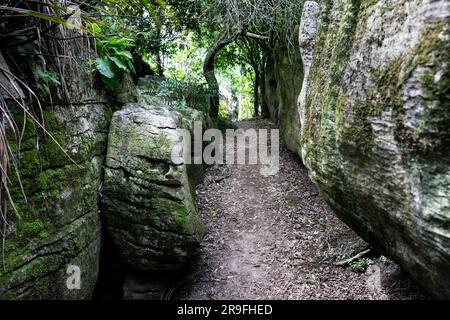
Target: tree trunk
{"points": [[256, 86], [209, 72], [159, 64], [264, 107]]}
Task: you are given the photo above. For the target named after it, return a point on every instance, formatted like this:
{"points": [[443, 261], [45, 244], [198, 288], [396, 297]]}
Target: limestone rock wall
{"points": [[283, 83], [59, 223], [375, 127]]}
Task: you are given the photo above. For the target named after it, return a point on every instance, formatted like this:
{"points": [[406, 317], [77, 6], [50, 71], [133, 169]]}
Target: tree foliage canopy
{"points": [[123, 32]]}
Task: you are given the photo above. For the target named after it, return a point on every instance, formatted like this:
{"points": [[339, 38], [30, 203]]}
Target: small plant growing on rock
{"points": [[114, 59], [360, 265], [384, 259]]}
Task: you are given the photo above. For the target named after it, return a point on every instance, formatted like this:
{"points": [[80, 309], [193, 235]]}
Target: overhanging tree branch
{"points": [[256, 36]]}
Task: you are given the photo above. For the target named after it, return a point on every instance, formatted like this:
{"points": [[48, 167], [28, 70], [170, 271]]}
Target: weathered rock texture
{"points": [[59, 221], [149, 200], [283, 83], [375, 130], [307, 40]]}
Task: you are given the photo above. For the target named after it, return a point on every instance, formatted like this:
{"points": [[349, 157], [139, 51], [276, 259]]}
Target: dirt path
{"points": [[275, 238]]}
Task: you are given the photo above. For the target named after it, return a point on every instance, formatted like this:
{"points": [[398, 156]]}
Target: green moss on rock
{"points": [[58, 222], [375, 136], [154, 223]]}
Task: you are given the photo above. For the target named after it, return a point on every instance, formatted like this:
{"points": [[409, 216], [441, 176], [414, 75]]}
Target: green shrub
{"points": [[178, 93], [361, 264]]}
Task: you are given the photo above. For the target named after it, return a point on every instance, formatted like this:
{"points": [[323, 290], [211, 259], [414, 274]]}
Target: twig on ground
{"points": [[346, 261]]}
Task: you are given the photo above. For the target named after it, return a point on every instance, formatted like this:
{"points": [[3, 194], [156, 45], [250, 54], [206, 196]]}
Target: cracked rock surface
{"points": [[148, 199]]}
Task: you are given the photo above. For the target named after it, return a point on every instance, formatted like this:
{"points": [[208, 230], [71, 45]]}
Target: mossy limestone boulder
{"points": [[375, 133], [148, 199], [59, 224]]}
